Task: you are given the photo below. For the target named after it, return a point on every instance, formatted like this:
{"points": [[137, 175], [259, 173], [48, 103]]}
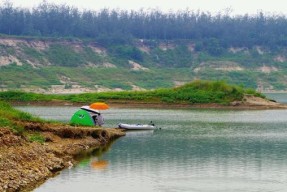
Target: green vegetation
{"points": [[12, 118], [9, 117], [168, 62], [22, 96], [36, 137], [194, 92], [64, 56], [177, 57], [15, 77], [212, 33], [123, 78], [126, 52], [58, 41]]}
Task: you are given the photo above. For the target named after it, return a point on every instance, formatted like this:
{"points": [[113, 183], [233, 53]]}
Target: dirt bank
{"points": [[24, 164]]}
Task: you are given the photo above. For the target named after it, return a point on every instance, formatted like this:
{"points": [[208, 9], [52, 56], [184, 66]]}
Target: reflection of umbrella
{"points": [[100, 164], [99, 106]]}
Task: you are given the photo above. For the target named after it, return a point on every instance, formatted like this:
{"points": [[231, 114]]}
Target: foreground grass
{"points": [[9, 117], [195, 92]]}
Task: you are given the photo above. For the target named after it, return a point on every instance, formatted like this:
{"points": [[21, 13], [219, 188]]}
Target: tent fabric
{"points": [[82, 117]]}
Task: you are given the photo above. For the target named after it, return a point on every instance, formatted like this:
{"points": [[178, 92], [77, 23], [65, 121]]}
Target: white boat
{"points": [[136, 126]]}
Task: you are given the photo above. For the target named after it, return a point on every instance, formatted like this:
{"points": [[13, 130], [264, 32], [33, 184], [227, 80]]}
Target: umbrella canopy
{"points": [[99, 106]]}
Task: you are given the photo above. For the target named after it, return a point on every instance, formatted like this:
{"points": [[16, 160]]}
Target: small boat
{"points": [[136, 126]]}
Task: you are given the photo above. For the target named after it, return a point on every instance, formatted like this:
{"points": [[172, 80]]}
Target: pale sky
{"points": [[213, 6]]}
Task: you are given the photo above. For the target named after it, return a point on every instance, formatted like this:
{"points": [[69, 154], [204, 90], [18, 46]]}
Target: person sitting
{"points": [[94, 117], [100, 120]]}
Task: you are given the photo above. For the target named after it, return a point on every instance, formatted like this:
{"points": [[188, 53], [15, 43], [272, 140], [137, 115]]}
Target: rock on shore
{"points": [[25, 164]]}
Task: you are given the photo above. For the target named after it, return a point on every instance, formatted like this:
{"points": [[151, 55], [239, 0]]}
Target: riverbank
{"points": [[25, 164]]}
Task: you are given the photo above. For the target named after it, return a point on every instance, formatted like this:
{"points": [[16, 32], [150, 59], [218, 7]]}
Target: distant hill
{"points": [[58, 65], [60, 49]]}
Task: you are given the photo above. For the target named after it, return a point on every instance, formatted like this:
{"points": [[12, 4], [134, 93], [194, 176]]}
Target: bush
{"points": [[126, 52], [64, 56]]}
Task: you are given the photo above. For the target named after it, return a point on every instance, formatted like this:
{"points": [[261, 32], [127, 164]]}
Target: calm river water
{"points": [[196, 150]]}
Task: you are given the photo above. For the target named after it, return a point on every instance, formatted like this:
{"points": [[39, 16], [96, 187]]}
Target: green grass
{"points": [[64, 56], [194, 92], [9, 117], [62, 59], [19, 77], [36, 137], [87, 77], [22, 96], [123, 78]]}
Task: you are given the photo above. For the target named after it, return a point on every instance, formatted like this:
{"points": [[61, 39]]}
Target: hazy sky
{"points": [[213, 6]]}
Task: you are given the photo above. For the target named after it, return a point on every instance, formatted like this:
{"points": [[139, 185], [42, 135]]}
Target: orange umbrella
{"points": [[99, 106]]}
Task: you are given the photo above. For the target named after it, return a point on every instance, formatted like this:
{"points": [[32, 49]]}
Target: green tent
{"points": [[82, 117]]}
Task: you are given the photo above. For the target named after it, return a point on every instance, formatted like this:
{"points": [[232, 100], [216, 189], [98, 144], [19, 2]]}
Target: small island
{"points": [[197, 94]]}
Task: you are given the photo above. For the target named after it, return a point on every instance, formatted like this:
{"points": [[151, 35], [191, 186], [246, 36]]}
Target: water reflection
{"points": [[99, 164], [139, 133], [93, 158]]}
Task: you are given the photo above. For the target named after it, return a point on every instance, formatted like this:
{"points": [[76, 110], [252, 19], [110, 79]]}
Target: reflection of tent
{"points": [[82, 117]]}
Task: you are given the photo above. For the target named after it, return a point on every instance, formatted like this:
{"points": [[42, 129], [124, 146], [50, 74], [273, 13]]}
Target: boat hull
{"points": [[136, 126]]}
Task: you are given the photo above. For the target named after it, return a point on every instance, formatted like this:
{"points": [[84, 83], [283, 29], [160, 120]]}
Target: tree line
{"points": [[118, 26]]}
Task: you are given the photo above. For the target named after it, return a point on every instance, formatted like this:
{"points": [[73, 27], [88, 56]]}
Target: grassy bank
{"points": [[192, 93], [25, 162], [9, 116]]}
